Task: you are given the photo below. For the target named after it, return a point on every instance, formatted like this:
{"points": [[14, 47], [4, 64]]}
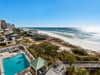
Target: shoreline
{"points": [[75, 42]]}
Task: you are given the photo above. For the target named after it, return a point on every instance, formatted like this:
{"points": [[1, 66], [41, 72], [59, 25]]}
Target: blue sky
{"points": [[39, 13]]}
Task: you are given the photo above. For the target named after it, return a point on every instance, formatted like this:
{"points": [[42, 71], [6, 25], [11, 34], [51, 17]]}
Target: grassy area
{"points": [[49, 52]]}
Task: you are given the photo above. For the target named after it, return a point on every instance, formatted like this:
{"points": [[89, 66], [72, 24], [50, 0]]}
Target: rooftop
{"points": [[2, 20], [57, 69], [38, 63], [32, 30], [11, 35]]}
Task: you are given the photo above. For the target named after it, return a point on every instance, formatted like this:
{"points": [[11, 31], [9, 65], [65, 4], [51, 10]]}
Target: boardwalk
{"points": [[85, 64]]}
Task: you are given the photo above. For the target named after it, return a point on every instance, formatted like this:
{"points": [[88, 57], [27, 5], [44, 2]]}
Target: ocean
{"points": [[88, 38]]}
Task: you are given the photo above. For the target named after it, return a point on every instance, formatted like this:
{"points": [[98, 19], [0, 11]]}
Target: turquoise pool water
{"points": [[15, 64]]}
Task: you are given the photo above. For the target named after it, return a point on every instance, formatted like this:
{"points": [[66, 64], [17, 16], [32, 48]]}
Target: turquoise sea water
{"points": [[71, 32], [15, 64], [86, 37]]}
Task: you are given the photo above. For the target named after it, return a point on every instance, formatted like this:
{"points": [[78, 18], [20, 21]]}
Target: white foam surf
{"points": [[86, 44]]}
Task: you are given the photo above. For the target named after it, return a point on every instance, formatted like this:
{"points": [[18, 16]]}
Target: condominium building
{"points": [[3, 24]]}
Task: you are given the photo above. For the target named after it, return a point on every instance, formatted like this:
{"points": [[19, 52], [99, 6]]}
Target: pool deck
{"points": [[7, 55]]}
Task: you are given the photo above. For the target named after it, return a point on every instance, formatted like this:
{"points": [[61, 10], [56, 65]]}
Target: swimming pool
{"points": [[15, 64]]}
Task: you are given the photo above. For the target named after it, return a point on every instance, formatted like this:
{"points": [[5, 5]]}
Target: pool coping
{"points": [[21, 51], [1, 61]]}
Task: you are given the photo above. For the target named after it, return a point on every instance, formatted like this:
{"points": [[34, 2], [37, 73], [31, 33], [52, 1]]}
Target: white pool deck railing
{"points": [[6, 54]]}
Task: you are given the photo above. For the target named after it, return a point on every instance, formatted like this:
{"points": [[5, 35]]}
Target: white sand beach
{"points": [[94, 46]]}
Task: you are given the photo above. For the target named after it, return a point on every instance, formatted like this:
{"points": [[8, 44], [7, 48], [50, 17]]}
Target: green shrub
{"points": [[91, 58], [79, 52], [33, 46], [45, 48], [1, 39]]}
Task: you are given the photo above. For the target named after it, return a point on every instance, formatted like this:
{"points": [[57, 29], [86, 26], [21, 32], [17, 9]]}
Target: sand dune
{"points": [[86, 44]]}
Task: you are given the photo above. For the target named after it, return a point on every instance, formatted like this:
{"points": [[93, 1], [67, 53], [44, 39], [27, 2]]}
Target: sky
{"points": [[51, 13]]}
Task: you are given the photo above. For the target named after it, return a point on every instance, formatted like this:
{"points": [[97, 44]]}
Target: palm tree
{"points": [[72, 70], [71, 59]]}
